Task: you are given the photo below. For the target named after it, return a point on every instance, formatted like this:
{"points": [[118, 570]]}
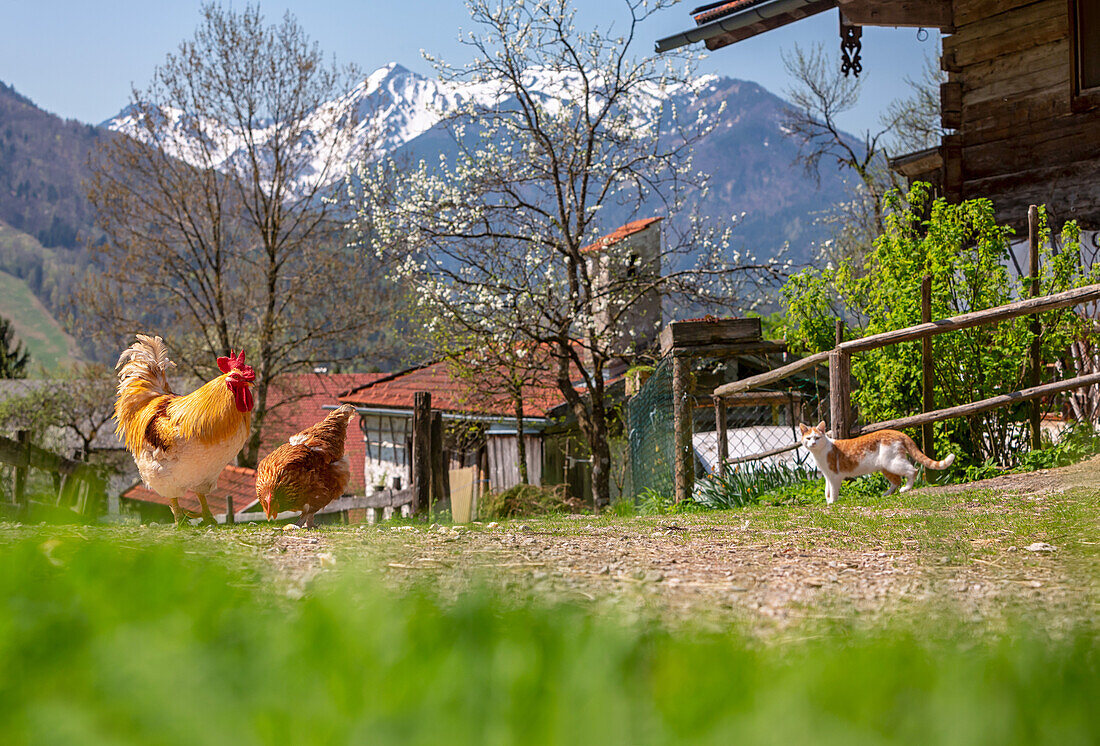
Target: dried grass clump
{"points": [[527, 500]]}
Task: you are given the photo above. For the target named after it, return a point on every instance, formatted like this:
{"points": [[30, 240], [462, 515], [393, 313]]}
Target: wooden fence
{"points": [[76, 484], [839, 362]]}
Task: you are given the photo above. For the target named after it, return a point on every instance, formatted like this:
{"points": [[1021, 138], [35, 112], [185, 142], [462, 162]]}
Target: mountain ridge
{"points": [[755, 183]]}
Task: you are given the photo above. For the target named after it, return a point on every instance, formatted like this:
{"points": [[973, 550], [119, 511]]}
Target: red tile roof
{"points": [[235, 481], [451, 394], [298, 402], [635, 226], [713, 12]]}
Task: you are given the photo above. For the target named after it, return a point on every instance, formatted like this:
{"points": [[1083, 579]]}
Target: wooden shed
{"points": [[1022, 97]]}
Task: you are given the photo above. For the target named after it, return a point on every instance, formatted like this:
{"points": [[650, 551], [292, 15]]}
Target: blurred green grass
{"points": [[112, 642]]}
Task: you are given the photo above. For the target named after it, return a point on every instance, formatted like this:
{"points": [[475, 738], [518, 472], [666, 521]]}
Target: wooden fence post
{"points": [[230, 514], [421, 451], [723, 434], [928, 390], [840, 392], [1036, 328], [19, 495], [436, 459], [840, 386], [684, 469]]}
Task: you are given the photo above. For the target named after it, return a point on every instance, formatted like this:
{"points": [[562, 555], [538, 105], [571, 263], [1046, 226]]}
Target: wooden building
{"points": [[1021, 101], [479, 429]]}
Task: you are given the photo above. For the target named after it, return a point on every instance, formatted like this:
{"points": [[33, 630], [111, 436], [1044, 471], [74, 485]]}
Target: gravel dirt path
{"points": [[1022, 542]]}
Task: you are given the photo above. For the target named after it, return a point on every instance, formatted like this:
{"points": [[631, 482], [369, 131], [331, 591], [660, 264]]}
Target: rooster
{"points": [[309, 472], [181, 443]]}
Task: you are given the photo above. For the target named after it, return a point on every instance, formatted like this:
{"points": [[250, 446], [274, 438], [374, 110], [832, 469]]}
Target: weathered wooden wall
{"points": [[504, 461], [1009, 97]]}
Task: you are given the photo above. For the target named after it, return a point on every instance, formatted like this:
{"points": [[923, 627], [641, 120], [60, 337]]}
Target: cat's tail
{"points": [[923, 460]]}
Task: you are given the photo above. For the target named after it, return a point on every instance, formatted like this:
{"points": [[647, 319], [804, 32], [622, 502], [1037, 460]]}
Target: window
{"points": [[1084, 29]]}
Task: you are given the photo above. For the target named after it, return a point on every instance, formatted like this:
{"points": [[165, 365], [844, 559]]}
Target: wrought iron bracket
{"points": [[851, 44]]}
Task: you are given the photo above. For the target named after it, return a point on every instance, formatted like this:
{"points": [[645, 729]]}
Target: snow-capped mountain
{"points": [[750, 157]]}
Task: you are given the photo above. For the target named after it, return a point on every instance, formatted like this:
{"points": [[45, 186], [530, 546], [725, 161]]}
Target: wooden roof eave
{"points": [[753, 20], [763, 17]]}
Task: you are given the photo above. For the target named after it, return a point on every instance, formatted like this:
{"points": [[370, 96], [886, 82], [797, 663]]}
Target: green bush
{"points": [[1079, 441], [966, 252]]}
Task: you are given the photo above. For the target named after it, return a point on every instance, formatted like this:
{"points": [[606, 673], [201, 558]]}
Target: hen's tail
{"points": [[328, 435], [923, 460], [142, 377]]}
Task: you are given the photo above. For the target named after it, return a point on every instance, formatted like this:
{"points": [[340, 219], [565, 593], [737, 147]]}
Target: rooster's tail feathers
{"points": [[147, 361]]}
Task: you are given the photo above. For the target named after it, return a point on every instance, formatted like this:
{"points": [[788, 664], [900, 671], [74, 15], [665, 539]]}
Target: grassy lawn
{"points": [[918, 619]]}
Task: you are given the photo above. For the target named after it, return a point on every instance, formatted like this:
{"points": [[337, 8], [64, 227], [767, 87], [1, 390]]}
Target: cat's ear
{"points": [[803, 429], [821, 426]]}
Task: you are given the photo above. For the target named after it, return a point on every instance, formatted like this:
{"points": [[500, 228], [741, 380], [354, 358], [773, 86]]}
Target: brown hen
{"points": [[309, 472]]}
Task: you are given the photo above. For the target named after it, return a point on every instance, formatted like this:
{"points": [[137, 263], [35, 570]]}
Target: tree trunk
{"points": [[521, 441], [601, 458], [250, 455]]}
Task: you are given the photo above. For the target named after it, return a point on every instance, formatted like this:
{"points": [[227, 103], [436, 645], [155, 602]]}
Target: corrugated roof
{"points": [[235, 481], [714, 11], [612, 238]]}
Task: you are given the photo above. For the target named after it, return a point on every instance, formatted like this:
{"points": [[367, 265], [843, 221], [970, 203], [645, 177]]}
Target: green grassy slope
{"points": [[49, 345]]}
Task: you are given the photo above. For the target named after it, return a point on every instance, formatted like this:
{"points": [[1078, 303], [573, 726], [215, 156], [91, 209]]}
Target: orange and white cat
{"points": [[883, 451]]}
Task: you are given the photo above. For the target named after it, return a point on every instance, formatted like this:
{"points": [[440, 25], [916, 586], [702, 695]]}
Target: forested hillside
{"points": [[43, 210]]}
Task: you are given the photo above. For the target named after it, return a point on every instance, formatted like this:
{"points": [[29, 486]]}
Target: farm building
{"points": [[479, 430], [1021, 101]]}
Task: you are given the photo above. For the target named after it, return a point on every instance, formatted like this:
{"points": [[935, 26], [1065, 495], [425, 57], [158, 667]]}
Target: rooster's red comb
{"points": [[233, 362]]}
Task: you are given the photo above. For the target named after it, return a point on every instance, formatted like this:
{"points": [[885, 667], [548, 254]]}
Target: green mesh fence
{"points": [[649, 424], [753, 429]]}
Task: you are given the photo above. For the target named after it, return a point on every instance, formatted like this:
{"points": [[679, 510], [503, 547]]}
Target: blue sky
{"points": [[79, 59]]}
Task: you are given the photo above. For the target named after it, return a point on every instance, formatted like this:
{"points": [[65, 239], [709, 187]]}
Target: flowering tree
{"points": [[570, 135]]}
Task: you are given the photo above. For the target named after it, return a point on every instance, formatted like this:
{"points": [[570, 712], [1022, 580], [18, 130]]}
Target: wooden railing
{"points": [[76, 484], [839, 361]]}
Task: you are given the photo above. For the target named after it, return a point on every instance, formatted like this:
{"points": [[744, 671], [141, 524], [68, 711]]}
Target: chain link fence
{"points": [[757, 422], [649, 431]]}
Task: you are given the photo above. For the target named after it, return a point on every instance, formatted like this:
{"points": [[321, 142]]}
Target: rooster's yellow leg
{"points": [[178, 513], [207, 516]]}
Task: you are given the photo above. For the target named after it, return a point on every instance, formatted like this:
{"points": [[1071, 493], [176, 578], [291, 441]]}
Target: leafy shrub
{"points": [[527, 499], [744, 484], [966, 252], [1078, 442]]}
